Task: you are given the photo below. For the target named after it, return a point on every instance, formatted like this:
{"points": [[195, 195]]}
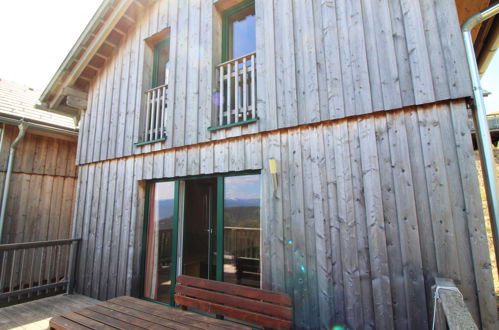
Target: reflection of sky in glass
{"points": [[242, 187], [164, 193], [165, 190], [244, 41]]}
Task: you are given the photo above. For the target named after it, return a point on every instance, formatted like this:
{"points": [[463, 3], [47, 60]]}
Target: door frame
{"points": [[179, 199]]}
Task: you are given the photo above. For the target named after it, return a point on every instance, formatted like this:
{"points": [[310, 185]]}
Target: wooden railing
{"points": [[155, 116], [237, 88], [242, 241], [29, 269]]}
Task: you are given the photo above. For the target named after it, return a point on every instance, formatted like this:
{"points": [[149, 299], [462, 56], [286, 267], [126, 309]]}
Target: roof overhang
{"points": [[41, 128], [486, 35], [66, 91]]}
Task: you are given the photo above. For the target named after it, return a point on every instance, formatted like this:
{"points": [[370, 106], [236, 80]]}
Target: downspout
{"points": [[22, 131], [480, 120]]}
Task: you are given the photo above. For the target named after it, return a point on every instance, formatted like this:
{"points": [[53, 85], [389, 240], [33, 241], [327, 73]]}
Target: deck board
{"points": [[132, 313], [36, 314]]}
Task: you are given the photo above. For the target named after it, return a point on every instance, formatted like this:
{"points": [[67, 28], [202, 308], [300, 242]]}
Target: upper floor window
{"points": [[161, 63], [237, 73], [239, 30], [154, 113]]}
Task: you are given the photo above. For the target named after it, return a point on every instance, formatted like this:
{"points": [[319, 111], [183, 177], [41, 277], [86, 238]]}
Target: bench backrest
{"points": [[259, 307]]}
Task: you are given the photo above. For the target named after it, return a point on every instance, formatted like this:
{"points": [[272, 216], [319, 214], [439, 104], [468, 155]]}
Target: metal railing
{"points": [[30, 269], [237, 88], [155, 116]]}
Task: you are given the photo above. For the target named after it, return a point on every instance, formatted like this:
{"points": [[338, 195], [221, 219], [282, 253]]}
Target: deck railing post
{"points": [[72, 261]]}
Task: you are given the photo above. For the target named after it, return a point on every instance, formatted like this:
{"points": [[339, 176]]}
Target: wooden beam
{"points": [[131, 19], [454, 309], [92, 48], [119, 31], [76, 102], [107, 42], [70, 91]]}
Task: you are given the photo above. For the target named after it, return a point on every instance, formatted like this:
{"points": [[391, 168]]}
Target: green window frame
{"points": [[155, 68], [220, 227], [225, 25]]}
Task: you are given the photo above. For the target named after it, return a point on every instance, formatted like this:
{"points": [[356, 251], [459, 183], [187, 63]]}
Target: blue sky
{"points": [[242, 187]]}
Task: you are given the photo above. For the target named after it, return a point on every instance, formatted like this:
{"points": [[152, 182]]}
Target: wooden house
{"points": [[42, 185], [317, 148]]}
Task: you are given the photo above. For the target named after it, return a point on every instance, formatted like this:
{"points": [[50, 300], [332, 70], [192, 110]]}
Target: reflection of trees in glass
{"points": [[242, 216]]}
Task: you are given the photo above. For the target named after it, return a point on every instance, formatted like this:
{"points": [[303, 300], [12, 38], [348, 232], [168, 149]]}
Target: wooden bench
{"points": [[254, 306]]}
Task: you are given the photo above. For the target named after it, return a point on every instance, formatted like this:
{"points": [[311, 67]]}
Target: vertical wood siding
{"points": [[367, 212], [42, 187], [316, 60]]}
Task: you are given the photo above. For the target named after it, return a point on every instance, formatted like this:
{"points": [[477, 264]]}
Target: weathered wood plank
{"points": [[108, 229], [394, 253], [407, 220], [193, 75], [360, 227], [98, 267], [126, 228], [351, 278], [379, 261], [180, 81], [114, 259]]}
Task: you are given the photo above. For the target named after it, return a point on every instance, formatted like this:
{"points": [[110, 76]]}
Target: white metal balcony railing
{"points": [[156, 107], [237, 88]]}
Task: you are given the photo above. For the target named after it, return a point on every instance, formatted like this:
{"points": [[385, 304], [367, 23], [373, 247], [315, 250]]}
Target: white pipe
{"points": [[22, 131], [482, 128]]}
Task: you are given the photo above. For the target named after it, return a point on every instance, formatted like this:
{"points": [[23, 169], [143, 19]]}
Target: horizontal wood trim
{"points": [[236, 290]]}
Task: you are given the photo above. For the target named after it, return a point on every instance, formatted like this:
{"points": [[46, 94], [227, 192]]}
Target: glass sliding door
{"points": [[203, 227], [242, 230], [158, 260]]}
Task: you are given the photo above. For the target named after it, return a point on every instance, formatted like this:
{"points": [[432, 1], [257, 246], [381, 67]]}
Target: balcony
{"points": [[237, 88], [155, 116]]}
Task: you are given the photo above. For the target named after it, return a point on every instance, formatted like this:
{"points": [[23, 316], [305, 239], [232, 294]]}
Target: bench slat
{"points": [[236, 301], [242, 315], [237, 290]]}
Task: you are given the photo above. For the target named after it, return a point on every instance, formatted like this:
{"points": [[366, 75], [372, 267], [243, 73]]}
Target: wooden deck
{"points": [[36, 314]]}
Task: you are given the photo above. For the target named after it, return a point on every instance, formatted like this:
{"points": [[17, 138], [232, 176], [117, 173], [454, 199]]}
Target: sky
{"points": [[490, 82], [36, 36]]}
